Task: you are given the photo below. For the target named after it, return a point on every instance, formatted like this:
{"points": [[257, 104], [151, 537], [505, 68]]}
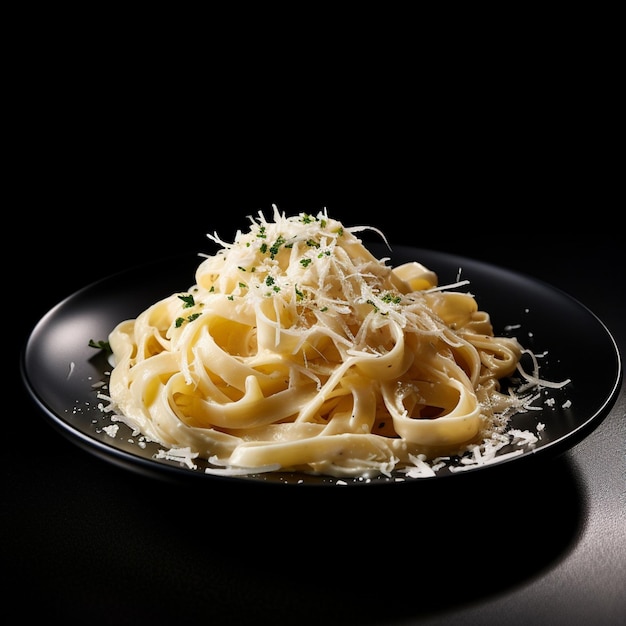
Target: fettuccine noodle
{"points": [[297, 349]]}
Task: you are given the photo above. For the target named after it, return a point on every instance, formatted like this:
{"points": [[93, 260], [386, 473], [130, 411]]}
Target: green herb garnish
{"points": [[100, 345], [188, 301]]}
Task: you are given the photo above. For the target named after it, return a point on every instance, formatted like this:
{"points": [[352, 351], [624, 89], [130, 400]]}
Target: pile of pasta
{"points": [[298, 350]]}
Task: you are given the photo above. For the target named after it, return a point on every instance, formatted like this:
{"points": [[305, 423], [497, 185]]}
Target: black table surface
{"points": [[85, 541]]}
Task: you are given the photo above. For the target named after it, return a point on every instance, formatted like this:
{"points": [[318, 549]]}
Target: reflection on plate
{"points": [[63, 374]]}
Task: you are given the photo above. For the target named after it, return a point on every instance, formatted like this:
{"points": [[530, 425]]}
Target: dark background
{"points": [[111, 172]]}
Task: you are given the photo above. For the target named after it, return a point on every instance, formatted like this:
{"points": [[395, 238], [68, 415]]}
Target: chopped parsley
{"points": [[190, 318], [100, 345], [390, 298], [188, 301], [280, 240]]}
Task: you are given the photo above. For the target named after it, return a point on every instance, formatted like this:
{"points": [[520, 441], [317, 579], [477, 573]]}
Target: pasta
{"points": [[297, 350]]}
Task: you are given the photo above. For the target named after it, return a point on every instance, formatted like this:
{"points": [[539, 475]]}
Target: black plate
{"points": [[60, 369]]}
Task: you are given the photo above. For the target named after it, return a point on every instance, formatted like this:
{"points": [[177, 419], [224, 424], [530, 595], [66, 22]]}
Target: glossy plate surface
{"points": [[62, 372]]}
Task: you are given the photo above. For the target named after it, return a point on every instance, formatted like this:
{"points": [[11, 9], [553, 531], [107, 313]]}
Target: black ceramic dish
{"points": [[61, 371]]}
